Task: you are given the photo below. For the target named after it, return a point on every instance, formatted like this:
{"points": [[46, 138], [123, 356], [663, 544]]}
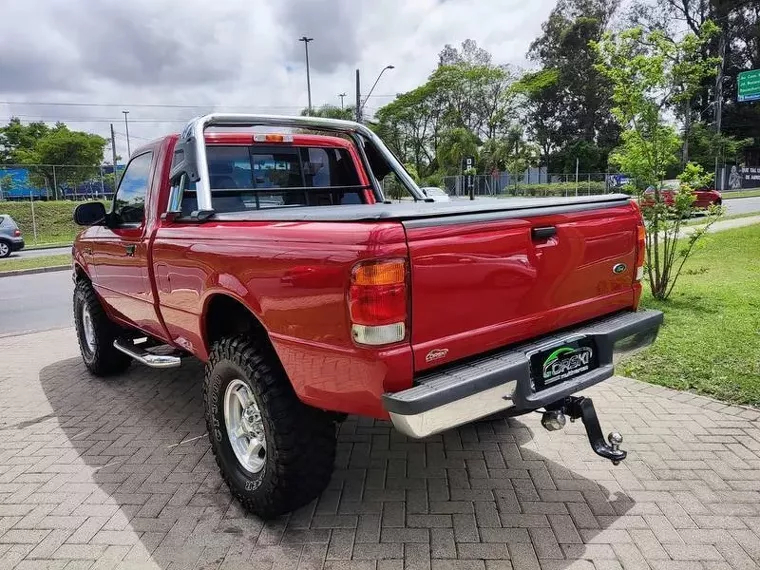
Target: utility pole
{"points": [[126, 127], [113, 154], [306, 41], [341, 95], [719, 102], [358, 98]]}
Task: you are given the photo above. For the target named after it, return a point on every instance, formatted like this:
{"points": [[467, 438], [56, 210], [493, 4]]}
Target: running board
{"points": [[144, 357]]}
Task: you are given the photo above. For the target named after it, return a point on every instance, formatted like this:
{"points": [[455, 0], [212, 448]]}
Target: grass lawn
{"points": [[13, 263], [710, 342], [741, 194]]}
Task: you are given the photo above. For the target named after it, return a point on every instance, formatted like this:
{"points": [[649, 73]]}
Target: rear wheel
{"points": [[5, 248], [96, 333], [275, 453]]}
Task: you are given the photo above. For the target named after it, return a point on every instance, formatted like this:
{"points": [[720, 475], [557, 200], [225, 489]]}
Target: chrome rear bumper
{"points": [[467, 391]]}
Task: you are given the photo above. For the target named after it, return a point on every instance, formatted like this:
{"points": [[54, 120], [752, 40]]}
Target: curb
{"points": [[15, 272], [53, 246]]}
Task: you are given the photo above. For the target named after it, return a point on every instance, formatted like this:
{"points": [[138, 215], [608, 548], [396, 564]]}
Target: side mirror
{"points": [[90, 214]]}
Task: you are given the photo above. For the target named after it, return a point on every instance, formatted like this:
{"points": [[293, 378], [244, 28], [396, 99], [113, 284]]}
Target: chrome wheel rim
{"points": [[4, 249], [89, 329], [245, 428]]}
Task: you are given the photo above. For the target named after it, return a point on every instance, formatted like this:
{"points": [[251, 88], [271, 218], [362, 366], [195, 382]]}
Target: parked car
{"points": [[10, 236], [703, 198], [310, 297], [437, 194]]}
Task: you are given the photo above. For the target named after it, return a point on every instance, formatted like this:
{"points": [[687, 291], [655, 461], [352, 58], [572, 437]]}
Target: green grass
{"points": [[741, 194], [710, 342], [14, 263], [55, 222]]}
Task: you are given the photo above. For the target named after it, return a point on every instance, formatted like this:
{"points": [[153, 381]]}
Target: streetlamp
{"points": [[341, 95], [306, 41], [361, 108], [126, 127]]}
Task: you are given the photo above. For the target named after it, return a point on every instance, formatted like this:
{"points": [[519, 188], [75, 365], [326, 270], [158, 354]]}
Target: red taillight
{"points": [[641, 249], [17, 233], [377, 302]]}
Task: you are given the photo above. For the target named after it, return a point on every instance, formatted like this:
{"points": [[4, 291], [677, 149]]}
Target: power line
{"points": [[148, 105]]}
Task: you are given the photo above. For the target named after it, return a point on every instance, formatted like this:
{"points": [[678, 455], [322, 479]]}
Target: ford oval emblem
{"points": [[619, 268]]}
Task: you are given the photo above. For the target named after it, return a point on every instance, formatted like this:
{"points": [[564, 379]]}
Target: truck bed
{"points": [[481, 210]]}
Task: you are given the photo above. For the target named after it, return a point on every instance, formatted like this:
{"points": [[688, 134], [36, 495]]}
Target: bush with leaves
{"points": [[652, 75]]}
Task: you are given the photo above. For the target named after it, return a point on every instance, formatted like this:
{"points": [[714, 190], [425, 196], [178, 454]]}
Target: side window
{"points": [[129, 202]]}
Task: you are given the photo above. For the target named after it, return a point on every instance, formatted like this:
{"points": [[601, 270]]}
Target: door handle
{"points": [[130, 250], [543, 233]]}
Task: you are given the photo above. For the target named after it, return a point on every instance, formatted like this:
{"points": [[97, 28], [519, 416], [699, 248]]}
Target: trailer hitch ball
{"points": [[615, 440], [553, 420]]}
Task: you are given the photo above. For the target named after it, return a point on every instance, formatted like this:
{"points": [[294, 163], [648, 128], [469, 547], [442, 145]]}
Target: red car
{"points": [[276, 260], [703, 198]]}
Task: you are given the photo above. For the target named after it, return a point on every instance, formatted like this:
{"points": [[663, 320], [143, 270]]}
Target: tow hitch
{"points": [[579, 407]]}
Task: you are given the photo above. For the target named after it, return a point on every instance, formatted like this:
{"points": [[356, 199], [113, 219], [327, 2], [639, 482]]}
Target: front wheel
{"points": [[275, 453], [96, 333]]}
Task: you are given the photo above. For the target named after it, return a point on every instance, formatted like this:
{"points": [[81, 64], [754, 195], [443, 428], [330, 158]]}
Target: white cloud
{"points": [[240, 54]]}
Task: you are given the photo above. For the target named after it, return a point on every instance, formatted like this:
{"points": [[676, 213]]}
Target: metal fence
{"points": [[529, 184], [56, 182]]}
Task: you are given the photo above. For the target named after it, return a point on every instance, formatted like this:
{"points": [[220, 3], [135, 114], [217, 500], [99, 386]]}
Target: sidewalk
{"points": [[723, 225], [118, 474]]}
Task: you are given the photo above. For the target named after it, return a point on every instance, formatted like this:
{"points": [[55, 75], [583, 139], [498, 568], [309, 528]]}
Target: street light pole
{"points": [[126, 127], [341, 95], [387, 67], [306, 41]]}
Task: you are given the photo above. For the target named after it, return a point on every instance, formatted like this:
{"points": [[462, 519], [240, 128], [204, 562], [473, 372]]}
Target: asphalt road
{"points": [[35, 302], [742, 206]]}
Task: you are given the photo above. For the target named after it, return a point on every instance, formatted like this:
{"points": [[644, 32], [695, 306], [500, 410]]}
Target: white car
{"points": [[436, 194]]}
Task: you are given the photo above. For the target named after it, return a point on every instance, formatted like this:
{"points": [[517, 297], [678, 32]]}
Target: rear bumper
{"points": [[17, 244], [502, 381]]}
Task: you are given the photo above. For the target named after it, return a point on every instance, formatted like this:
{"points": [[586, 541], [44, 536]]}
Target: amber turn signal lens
{"points": [[379, 273]]}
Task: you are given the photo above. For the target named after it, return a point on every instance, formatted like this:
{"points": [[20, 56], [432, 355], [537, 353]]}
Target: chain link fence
{"points": [[56, 182], [506, 184]]}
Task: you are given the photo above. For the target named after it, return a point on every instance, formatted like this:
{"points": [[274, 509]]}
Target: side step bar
{"points": [[144, 357]]}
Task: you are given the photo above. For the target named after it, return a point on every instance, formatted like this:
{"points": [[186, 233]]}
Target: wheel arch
{"points": [[225, 314]]}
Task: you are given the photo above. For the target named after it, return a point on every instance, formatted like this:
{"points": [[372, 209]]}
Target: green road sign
{"points": [[749, 85]]}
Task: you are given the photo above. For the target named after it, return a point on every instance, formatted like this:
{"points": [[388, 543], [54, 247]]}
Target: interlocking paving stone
{"points": [[118, 473]]}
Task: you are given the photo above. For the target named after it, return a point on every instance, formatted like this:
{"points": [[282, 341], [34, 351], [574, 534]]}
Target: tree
{"points": [[651, 74], [736, 46], [568, 97], [45, 150], [15, 137], [332, 112], [455, 146], [466, 91]]}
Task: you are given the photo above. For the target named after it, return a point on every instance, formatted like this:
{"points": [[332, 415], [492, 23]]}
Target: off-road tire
{"points": [[300, 440], [104, 359]]}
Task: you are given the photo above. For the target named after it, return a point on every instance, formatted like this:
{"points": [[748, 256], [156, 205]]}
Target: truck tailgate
{"points": [[480, 282]]}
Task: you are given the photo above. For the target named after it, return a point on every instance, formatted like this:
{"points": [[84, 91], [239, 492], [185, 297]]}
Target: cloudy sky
{"points": [[167, 61]]}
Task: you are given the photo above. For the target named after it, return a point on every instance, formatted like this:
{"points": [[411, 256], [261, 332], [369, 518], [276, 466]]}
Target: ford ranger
{"points": [[264, 247]]}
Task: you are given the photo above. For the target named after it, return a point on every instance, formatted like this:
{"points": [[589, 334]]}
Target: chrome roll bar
{"points": [[190, 151]]}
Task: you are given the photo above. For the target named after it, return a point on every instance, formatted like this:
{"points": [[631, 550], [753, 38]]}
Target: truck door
{"points": [[120, 254]]}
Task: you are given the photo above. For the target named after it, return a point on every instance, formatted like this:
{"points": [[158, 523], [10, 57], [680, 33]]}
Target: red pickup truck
{"points": [[275, 259]]}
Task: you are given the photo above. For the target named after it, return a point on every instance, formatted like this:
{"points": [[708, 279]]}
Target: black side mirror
{"points": [[90, 214]]}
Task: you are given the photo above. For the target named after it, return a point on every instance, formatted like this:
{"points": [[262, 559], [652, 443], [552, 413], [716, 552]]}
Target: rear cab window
{"points": [[263, 176]]}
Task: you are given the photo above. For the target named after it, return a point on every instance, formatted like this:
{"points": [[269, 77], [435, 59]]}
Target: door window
{"points": [[129, 202]]}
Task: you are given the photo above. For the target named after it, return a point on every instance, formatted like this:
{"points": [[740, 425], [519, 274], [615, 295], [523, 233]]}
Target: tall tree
{"points": [[53, 156], [736, 45], [568, 97]]}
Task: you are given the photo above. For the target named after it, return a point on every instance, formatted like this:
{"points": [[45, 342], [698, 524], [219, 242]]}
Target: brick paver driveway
{"points": [[118, 473]]}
